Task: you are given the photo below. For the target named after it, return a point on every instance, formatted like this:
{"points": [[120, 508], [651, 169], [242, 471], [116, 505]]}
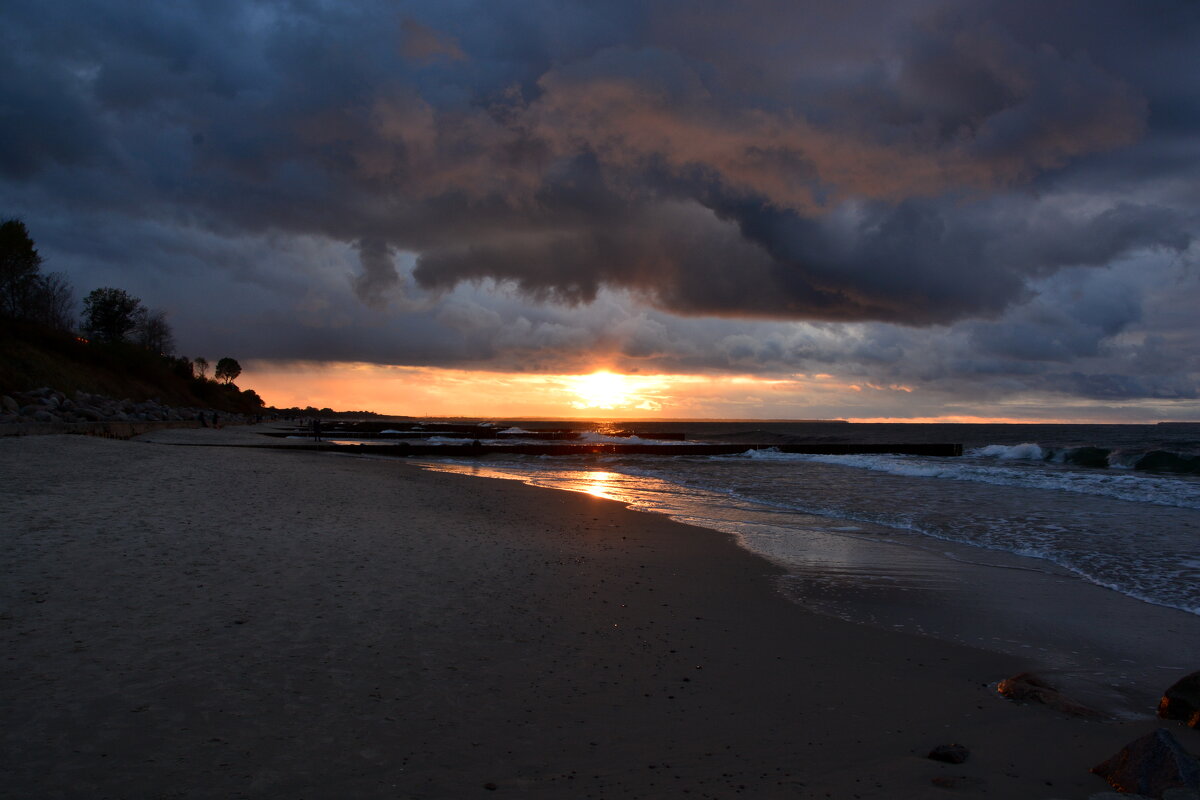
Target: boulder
{"points": [[1151, 765], [1025, 687], [1182, 701], [48, 405]]}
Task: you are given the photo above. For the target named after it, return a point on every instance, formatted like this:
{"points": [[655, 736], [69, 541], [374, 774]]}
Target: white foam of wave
{"points": [[515, 430], [1027, 451], [1124, 486], [1155, 587], [1119, 459], [592, 437]]}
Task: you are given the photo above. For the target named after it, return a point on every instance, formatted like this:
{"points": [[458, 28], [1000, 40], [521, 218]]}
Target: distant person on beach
{"points": [[316, 430], [200, 417], [216, 421]]}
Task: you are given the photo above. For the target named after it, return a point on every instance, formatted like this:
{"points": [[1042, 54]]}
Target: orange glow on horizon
{"points": [[958, 419], [603, 394], [434, 392], [609, 395]]}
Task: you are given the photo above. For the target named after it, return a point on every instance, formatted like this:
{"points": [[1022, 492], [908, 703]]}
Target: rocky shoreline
{"points": [[48, 406]]}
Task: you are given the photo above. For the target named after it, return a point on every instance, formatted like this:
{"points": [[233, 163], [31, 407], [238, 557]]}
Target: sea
{"points": [[1076, 547]]}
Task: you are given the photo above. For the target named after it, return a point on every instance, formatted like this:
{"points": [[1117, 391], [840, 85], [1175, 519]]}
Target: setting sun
{"points": [[607, 390], [603, 390]]}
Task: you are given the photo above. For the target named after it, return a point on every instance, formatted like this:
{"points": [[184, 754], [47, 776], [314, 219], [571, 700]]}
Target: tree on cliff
{"points": [[155, 334], [25, 293], [20, 267], [53, 302], [200, 367], [227, 370], [111, 314]]}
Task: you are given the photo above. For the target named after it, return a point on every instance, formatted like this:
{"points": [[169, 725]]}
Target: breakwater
{"points": [[477, 448]]}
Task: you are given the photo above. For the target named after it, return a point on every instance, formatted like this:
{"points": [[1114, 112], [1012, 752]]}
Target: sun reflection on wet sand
{"points": [[597, 484]]}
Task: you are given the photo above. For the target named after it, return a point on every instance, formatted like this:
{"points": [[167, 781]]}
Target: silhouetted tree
{"points": [[182, 366], [227, 370], [200, 367], [52, 302], [155, 334], [20, 267], [111, 314]]}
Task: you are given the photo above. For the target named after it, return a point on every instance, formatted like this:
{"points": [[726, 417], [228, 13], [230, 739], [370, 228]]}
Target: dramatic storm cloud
{"points": [[982, 199]]}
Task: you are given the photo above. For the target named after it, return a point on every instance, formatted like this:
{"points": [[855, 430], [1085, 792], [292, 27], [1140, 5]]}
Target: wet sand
{"points": [[221, 622]]}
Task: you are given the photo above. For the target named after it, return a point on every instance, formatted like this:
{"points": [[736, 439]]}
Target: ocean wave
{"points": [[1166, 461], [592, 437], [1122, 486], [1093, 456], [1027, 451]]}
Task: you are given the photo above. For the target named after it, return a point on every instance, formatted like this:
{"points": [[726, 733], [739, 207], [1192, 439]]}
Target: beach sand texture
{"points": [[228, 622]]}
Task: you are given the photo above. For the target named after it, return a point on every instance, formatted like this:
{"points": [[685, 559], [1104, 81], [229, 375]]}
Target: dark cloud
{"points": [[493, 175], [379, 277], [422, 43]]}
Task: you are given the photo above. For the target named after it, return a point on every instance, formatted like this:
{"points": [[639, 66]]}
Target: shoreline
{"points": [[898, 580], [218, 622]]}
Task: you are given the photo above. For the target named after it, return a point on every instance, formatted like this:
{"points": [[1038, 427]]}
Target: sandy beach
{"points": [[187, 621]]}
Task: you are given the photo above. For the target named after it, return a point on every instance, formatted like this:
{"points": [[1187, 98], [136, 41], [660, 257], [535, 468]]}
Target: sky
{"points": [[909, 210]]}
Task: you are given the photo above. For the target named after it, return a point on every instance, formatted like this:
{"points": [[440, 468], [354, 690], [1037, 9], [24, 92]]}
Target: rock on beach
{"points": [[1025, 687], [1151, 765], [48, 406], [1182, 701]]}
